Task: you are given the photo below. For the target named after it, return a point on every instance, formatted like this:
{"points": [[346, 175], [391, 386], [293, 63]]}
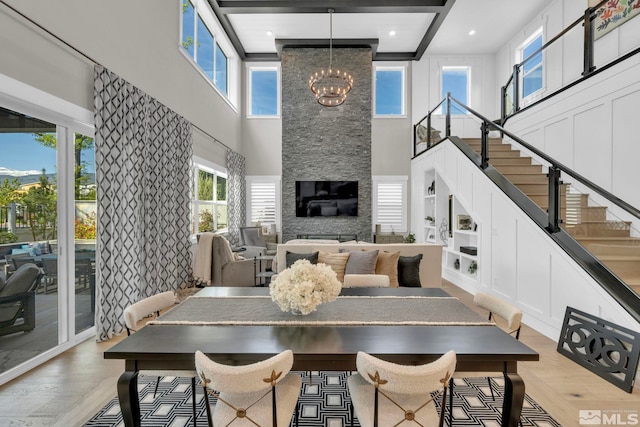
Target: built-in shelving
{"points": [[446, 221]]}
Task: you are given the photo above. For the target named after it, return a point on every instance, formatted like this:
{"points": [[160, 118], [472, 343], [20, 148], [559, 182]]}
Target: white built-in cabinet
{"points": [[447, 222]]}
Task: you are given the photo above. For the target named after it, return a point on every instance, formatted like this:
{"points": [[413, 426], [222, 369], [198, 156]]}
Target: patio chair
{"points": [[50, 268], [152, 306], [260, 394], [18, 300], [388, 394]]}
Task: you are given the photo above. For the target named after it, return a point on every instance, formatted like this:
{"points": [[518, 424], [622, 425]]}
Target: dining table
{"points": [[242, 325]]}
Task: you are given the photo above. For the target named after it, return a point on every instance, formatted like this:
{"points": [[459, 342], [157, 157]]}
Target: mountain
{"points": [[28, 177], [15, 173]]}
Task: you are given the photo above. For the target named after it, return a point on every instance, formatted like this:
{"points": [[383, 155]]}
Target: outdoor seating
{"points": [[18, 300]]}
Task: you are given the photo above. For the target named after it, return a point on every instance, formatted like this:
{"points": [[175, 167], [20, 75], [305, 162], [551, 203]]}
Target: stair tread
{"points": [[619, 257]]}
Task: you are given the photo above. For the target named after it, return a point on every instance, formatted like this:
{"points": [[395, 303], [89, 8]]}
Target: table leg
{"points": [[513, 399], [128, 398]]}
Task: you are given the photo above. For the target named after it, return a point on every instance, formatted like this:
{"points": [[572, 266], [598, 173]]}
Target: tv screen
{"points": [[326, 198]]}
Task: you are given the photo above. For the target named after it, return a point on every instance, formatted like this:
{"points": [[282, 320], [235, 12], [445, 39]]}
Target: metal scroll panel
{"points": [[604, 348]]}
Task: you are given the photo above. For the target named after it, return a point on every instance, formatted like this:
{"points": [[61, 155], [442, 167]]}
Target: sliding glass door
{"points": [[47, 220]]}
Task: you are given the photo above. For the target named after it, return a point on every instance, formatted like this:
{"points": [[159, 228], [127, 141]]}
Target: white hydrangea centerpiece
{"points": [[303, 286]]}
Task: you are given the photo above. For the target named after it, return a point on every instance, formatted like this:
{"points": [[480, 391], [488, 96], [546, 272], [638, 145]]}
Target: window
{"points": [[263, 91], [390, 203], [455, 80], [210, 202], [221, 70], [389, 91], [200, 43], [263, 200], [532, 64]]}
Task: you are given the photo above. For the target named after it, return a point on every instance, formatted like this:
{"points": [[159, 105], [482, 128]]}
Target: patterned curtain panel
{"points": [[143, 177], [236, 199]]}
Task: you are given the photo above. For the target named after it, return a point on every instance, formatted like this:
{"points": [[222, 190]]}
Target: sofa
{"points": [[430, 266]]}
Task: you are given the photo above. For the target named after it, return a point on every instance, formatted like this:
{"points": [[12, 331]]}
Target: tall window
{"points": [[263, 200], [389, 91], [390, 203], [199, 41], [263, 91], [532, 66], [456, 80], [210, 202]]}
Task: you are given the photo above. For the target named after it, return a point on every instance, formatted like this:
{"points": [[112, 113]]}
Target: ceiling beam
{"points": [[433, 29], [440, 8], [340, 6]]}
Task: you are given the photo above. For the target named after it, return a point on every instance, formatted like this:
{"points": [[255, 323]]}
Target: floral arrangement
{"points": [[304, 286]]}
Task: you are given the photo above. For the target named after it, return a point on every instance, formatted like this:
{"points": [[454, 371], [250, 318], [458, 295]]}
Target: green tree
{"points": [[9, 192], [81, 143], [41, 203], [205, 185]]}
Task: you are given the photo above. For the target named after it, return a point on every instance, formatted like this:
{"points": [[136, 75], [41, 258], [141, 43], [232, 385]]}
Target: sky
{"points": [[20, 151]]}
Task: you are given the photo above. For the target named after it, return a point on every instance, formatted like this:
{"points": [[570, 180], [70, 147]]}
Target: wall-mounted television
{"points": [[326, 198]]}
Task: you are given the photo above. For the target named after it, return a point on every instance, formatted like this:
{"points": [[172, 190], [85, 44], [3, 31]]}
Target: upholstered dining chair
{"points": [[497, 307], [387, 394], [153, 305], [260, 394]]}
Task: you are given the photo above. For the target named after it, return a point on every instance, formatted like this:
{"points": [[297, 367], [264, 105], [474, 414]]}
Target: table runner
{"points": [[345, 311]]}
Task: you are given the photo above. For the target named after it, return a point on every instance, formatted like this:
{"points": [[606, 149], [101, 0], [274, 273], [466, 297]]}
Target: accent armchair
{"points": [[226, 270], [18, 300], [252, 237]]}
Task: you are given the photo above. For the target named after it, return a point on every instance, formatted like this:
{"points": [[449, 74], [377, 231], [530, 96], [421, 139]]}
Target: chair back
{"points": [[50, 265], [19, 261], [24, 280], [141, 309], [252, 236], [407, 392], [247, 395], [243, 379], [496, 306]]}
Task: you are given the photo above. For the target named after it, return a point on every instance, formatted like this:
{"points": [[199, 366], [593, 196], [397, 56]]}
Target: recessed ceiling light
{"points": [[472, 32], [392, 33], [269, 33]]}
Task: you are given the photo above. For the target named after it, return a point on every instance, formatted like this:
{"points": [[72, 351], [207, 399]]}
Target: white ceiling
{"points": [[495, 22]]}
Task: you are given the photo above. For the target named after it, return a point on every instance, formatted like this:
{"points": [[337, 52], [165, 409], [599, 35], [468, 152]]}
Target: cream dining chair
{"points": [[387, 394], [497, 307], [260, 394], [153, 305]]}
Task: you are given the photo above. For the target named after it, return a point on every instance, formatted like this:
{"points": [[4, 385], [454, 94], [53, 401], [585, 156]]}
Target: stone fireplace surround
{"points": [[326, 143]]}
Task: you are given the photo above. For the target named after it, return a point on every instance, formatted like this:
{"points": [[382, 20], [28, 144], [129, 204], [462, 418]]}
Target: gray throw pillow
{"points": [[361, 262], [292, 257], [409, 271]]}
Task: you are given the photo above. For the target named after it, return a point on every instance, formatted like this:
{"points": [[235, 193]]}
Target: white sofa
{"points": [[430, 265]]}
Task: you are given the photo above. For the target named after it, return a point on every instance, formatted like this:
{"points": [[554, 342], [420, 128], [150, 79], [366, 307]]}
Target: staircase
{"points": [[609, 241]]}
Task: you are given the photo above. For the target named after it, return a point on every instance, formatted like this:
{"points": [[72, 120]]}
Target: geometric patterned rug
{"points": [[323, 402]]}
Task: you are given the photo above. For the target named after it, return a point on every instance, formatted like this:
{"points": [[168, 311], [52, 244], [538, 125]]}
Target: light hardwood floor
{"points": [[69, 389]]}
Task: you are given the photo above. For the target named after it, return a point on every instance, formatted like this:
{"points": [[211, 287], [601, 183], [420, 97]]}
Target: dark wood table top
{"points": [[321, 348]]}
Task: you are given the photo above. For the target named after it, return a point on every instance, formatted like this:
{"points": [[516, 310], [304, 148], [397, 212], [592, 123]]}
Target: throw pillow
{"points": [[293, 257], [361, 262], [387, 264], [337, 261], [409, 271]]}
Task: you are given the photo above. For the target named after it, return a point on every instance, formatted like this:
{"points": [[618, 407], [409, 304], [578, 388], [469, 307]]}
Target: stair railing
{"points": [[555, 169], [550, 220], [510, 92]]}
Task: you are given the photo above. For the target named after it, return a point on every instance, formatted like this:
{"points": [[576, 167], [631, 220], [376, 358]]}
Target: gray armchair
{"points": [[18, 300], [226, 270], [252, 237]]}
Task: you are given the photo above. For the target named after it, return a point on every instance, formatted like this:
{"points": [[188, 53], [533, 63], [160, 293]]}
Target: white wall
{"points": [[137, 40], [542, 282]]}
